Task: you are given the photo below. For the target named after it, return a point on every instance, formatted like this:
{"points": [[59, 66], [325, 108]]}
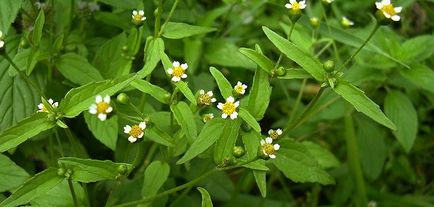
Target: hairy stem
{"points": [[172, 10], [158, 18], [71, 188]]}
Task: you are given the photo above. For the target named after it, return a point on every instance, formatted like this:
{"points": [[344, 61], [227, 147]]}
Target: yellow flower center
{"points": [[102, 107], [239, 89], [295, 6], [137, 18], [274, 134], [389, 9], [205, 99], [178, 71], [228, 108], [268, 149], [44, 109], [135, 131]]}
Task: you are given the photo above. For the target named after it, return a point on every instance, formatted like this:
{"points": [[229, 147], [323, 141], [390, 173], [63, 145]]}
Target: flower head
{"points": [[138, 16], [240, 88], [177, 71], [206, 98], [346, 22], [135, 131], [229, 108], [2, 43], [388, 10], [101, 108], [207, 117], [314, 21], [296, 6], [274, 134], [42, 108], [268, 148]]}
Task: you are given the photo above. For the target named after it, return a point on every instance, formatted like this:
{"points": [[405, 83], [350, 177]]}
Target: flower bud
{"points": [[123, 98], [314, 21], [61, 171], [122, 169], [280, 71], [329, 66], [238, 151]]}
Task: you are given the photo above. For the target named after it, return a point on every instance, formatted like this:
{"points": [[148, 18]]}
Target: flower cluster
{"points": [[135, 132], [388, 10], [42, 108], [240, 88], [206, 98], [101, 107], [138, 17], [2, 42], [178, 71], [268, 148], [229, 108], [296, 6], [274, 134]]}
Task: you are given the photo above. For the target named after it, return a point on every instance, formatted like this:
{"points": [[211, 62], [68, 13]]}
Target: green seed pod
{"points": [[122, 169], [123, 98], [281, 71], [329, 66], [61, 171], [314, 21], [238, 151]]}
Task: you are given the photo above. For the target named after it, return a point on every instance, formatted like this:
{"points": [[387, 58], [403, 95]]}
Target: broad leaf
{"points": [[420, 75], [157, 135], [8, 12], [185, 118], [38, 185], [225, 144], [297, 164], [156, 175], [60, 196], [262, 61], [38, 27], [79, 99], [110, 59], [11, 175], [206, 199], [24, 130], [104, 131], [362, 103], [401, 111], [259, 95], [153, 49], [176, 30], [224, 86], [324, 157], [224, 52], [76, 69], [249, 119], [88, 170], [158, 93]]}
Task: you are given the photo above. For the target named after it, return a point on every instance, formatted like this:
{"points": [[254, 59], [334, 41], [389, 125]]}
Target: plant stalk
{"points": [[71, 188], [172, 10]]}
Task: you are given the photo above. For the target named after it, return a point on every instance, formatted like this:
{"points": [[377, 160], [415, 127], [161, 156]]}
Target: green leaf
{"points": [[417, 49], [60, 196], [324, 157], [38, 27], [306, 61], [159, 136], [25, 60], [249, 119], [38, 185], [207, 137], [154, 48], [206, 199], [79, 99], [259, 95], [8, 12], [224, 86], [224, 52], [420, 75], [110, 59], [226, 142], [193, 49], [88, 170], [11, 175], [362, 103], [261, 60], [401, 111], [185, 90], [176, 30], [261, 181], [185, 118], [24, 130], [295, 73], [76, 69], [297, 164], [158, 93], [156, 175], [104, 131]]}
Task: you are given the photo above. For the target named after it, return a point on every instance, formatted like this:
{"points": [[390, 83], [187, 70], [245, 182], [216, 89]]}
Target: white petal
{"points": [[210, 93], [398, 9], [276, 147], [40, 106], [236, 104], [175, 64], [387, 15], [184, 75], [141, 12], [2, 43], [107, 99], [272, 156], [262, 142], [270, 131], [55, 104], [239, 83], [143, 18], [50, 101], [132, 139], [224, 116], [102, 117], [289, 6], [279, 131], [230, 99], [396, 18], [213, 100], [379, 5], [170, 71], [176, 78], [265, 153], [234, 115], [109, 109], [141, 135], [292, 1], [92, 109], [302, 5], [127, 129], [386, 2], [184, 66], [98, 98], [220, 106], [269, 140], [134, 12], [142, 125], [201, 92]]}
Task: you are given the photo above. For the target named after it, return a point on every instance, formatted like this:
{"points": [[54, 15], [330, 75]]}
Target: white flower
{"points": [[268, 148], [346, 22], [138, 16], [275, 133], [240, 88], [296, 6], [388, 10], [135, 131], [42, 108], [327, 1], [229, 108], [102, 107], [207, 117], [206, 98], [177, 71], [2, 43]]}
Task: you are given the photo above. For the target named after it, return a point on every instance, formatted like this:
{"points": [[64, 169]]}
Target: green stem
{"points": [[297, 101], [71, 188], [56, 132], [361, 46], [225, 19], [306, 114], [158, 18], [172, 10]]}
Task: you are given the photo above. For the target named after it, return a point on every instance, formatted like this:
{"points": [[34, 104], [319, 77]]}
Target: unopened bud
{"points": [[329, 66], [238, 151], [123, 98]]}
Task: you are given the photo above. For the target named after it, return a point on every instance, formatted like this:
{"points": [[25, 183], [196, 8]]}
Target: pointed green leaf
{"points": [[176, 30], [206, 199], [156, 175], [362, 103], [225, 144], [8, 12], [324, 157], [118, 65], [295, 73], [249, 119], [38, 27], [185, 90], [157, 135], [158, 93], [259, 95], [77, 69], [261, 60], [11, 175], [224, 86], [104, 131], [185, 118], [420, 75], [153, 49]]}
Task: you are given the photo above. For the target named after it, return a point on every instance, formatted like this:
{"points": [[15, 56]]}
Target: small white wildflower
{"points": [[42, 108], [274, 134], [2, 43], [93, 6], [229, 108], [206, 98], [346, 22], [268, 148], [240, 88], [388, 10], [207, 117], [136, 131], [177, 71], [102, 107], [138, 16], [295, 5]]}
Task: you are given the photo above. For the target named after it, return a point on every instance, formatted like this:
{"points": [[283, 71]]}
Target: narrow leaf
{"points": [[185, 90], [153, 49], [157, 135], [77, 69], [224, 86], [261, 60], [38, 27], [226, 142], [156, 175], [158, 93], [259, 95], [249, 119], [324, 157], [295, 73], [206, 199], [185, 118], [175, 30], [11, 175]]}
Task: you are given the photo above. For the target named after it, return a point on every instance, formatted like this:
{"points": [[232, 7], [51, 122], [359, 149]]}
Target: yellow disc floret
{"points": [[135, 131]]}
